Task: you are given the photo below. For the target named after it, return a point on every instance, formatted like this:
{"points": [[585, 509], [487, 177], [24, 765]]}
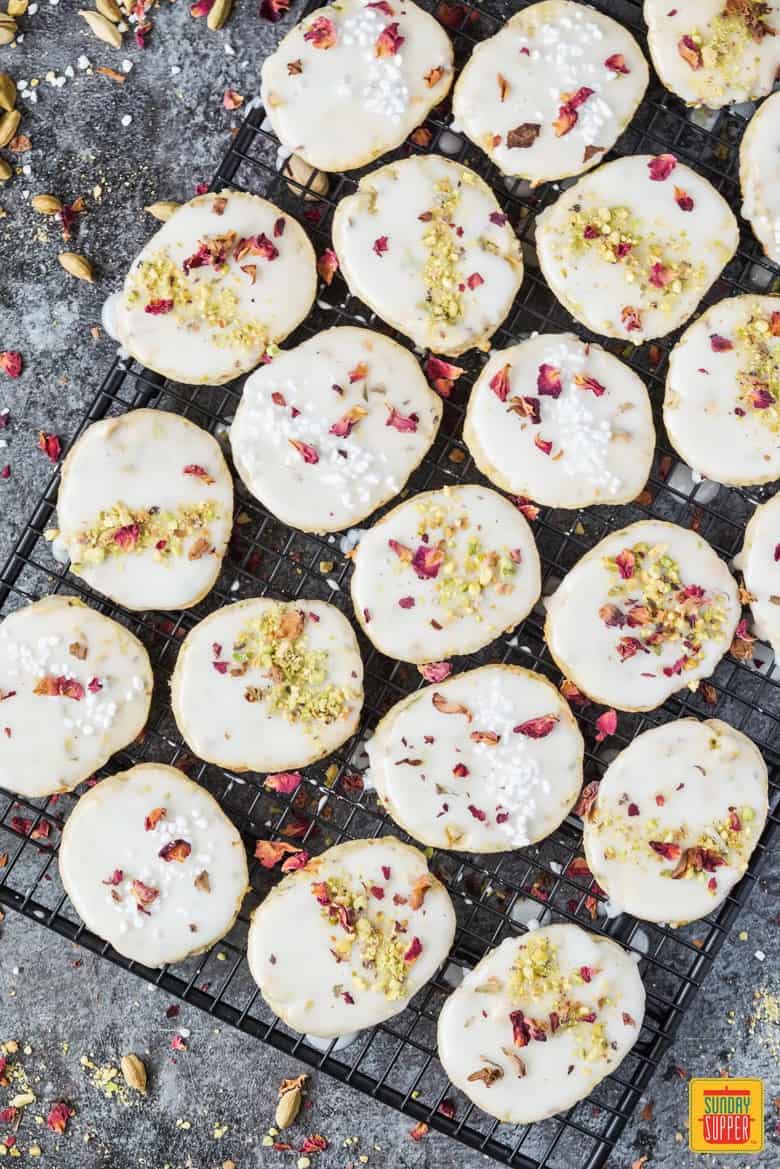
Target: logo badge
{"points": [[726, 1116]]}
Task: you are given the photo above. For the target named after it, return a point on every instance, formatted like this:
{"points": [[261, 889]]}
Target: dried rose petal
{"points": [[231, 100], [358, 373], [328, 265], [537, 728], [548, 381], [11, 362], [720, 344], [585, 806], [60, 687], [490, 738], [617, 63], [307, 452], [683, 200], [116, 878], [405, 424], [175, 850], [543, 444], [567, 113], [270, 852], [284, 782], [159, 308], [435, 671], [59, 1115], [144, 894], [607, 725], [612, 616], [50, 444], [589, 383], [474, 280], [666, 849], [631, 318], [627, 647], [427, 561], [626, 563], [380, 245], [661, 167], [406, 602], [460, 771], [761, 398], [389, 41], [446, 706], [521, 1031], [321, 33], [199, 473], [273, 10], [499, 383], [127, 537], [690, 52], [201, 7], [526, 506], [523, 136], [297, 861], [529, 408], [414, 951], [403, 553], [346, 424]]}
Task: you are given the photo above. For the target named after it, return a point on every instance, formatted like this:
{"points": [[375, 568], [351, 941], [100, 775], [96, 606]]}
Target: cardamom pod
{"points": [[315, 181], [7, 29], [103, 29], [290, 1098], [6, 170], [7, 92], [110, 9], [78, 266], [17, 7], [219, 13], [46, 204], [9, 124], [163, 210], [134, 1073]]}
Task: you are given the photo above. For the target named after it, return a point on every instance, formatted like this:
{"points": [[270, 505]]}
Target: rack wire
{"points": [[494, 896]]}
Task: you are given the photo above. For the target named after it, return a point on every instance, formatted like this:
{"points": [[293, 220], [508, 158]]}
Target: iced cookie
{"points": [[540, 1021], [75, 687], [759, 176], [152, 864], [486, 762], [722, 403], [226, 277], [345, 942], [562, 422], [714, 52], [424, 243], [759, 562], [649, 610], [551, 91], [329, 431], [145, 509], [266, 686], [632, 248], [352, 80], [445, 573], [668, 843]]}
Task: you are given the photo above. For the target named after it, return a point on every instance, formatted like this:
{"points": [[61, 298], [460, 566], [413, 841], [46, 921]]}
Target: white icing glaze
{"points": [[528, 71], [759, 561], [134, 463], [670, 256], [468, 249], [475, 1031], [106, 846], [726, 63], [706, 780], [222, 317], [343, 106], [301, 396], [602, 435], [291, 941], [487, 579], [100, 685], [222, 725], [450, 790], [604, 660], [720, 407], [759, 174]]}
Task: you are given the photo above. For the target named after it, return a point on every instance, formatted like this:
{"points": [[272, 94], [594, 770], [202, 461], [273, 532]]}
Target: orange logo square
{"points": [[726, 1116]]}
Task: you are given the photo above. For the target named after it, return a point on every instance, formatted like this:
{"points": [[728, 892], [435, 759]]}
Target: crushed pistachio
{"points": [[382, 950], [758, 377], [441, 271], [120, 530], [724, 44]]}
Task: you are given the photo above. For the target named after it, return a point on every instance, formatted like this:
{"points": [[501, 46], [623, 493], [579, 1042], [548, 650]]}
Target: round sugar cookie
{"points": [[75, 687], [153, 865], [551, 91], [722, 401], [145, 509], [632, 248], [668, 843], [759, 176], [345, 942], [540, 1021], [266, 686], [445, 573], [329, 431], [759, 561], [561, 421], [226, 277], [353, 79], [485, 762], [713, 53], [649, 610], [425, 244]]}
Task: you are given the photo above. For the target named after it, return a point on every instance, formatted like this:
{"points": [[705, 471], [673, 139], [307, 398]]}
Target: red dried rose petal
{"points": [[389, 41], [460, 771], [297, 861], [587, 799], [314, 1144], [761, 398], [59, 687], [543, 444], [175, 850], [153, 819], [201, 7], [284, 782], [617, 63], [607, 725], [11, 362], [631, 318], [144, 894], [273, 10], [499, 383], [661, 167], [59, 1115], [435, 671], [567, 113], [270, 852], [537, 728], [690, 52], [683, 200], [528, 508], [158, 308], [344, 426], [199, 472], [548, 381], [526, 407], [521, 1030], [127, 537], [626, 563], [720, 344], [358, 373], [666, 849], [414, 951], [50, 444], [231, 100], [321, 33], [380, 245], [427, 561], [404, 423], [406, 602], [474, 280], [442, 375], [116, 878], [589, 383], [328, 265], [660, 275], [307, 452]]}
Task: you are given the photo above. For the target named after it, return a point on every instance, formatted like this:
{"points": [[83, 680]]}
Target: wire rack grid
{"points": [[494, 896]]}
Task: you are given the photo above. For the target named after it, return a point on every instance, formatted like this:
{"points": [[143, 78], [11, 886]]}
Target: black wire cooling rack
{"points": [[493, 896]]}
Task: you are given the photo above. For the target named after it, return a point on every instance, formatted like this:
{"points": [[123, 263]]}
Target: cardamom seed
{"points": [[46, 204], [290, 1098], [7, 92], [134, 1072], [109, 9], [6, 170], [77, 266], [7, 30], [219, 13], [163, 210], [103, 29], [315, 181], [9, 124]]}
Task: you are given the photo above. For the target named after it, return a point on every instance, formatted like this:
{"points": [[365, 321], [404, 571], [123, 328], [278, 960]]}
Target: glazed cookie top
{"points": [[650, 609], [722, 403], [265, 685], [426, 245], [759, 174], [759, 562], [353, 79], [561, 421], [540, 1021], [75, 687], [153, 865], [551, 91], [485, 762], [631, 248], [715, 52], [670, 843], [330, 430], [225, 278], [374, 926], [145, 509], [444, 573]]}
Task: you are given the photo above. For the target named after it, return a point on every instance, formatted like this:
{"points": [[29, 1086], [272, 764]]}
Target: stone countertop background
{"points": [[122, 146]]}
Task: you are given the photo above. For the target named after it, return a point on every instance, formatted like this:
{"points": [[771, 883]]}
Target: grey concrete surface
{"points": [[61, 1003]]}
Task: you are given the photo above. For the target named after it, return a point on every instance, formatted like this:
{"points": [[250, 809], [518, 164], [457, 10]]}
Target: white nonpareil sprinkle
{"points": [[379, 85], [127, 119]]}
